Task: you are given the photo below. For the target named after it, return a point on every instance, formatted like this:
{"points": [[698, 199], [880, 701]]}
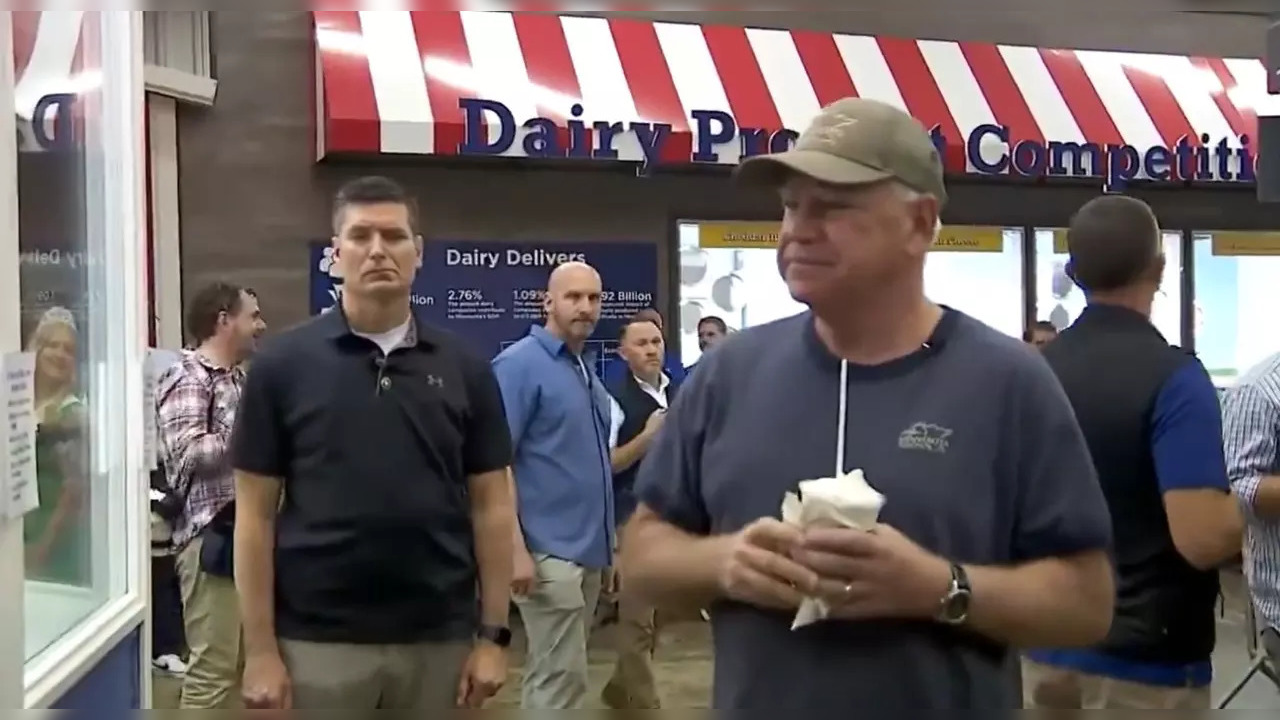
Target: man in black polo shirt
{"points": [[643, 394], [388, 444], [1150, 416]]}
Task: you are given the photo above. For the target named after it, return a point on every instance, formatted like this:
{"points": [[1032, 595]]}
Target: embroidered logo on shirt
{"points": [[435, 381], [925, 436]]}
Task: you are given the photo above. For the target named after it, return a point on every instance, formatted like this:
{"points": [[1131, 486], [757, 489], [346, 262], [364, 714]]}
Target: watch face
{"points": [[957, 610]]}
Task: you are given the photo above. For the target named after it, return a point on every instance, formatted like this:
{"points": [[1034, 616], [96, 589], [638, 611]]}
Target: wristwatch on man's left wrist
{"points": [[953, 609], [497, 634]]}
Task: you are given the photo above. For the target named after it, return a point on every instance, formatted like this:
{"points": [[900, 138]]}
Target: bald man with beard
{"points": [[559, 412]]}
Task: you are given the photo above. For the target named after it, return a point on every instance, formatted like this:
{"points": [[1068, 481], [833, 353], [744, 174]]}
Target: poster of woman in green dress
{"points": [[56, 534]]}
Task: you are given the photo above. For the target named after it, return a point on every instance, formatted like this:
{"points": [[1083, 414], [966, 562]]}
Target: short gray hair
{"points": [[909, 195]]}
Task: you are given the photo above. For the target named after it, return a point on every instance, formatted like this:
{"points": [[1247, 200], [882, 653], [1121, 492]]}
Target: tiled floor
{"points": [[1231, 664], [683, 666], [1231, 660]]}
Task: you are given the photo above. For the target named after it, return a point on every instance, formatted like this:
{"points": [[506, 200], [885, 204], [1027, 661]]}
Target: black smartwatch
{"points": [[954, 607], [496, 634]]}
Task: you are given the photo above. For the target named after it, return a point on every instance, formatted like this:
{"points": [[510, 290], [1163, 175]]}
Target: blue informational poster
{"points": [[490, 293]]}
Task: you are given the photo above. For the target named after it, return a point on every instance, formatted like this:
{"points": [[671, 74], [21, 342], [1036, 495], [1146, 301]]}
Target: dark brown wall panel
{"points": [[252, 196]]}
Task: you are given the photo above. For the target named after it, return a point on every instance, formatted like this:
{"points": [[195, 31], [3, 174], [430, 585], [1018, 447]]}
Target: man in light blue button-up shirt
{"points": [[559, 412]]}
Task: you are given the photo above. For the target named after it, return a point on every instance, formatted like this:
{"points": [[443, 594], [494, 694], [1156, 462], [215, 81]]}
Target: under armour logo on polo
{"points": [[435, 381]]}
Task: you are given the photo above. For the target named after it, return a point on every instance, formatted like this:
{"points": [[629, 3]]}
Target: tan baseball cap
{"points": [[856, 141]]}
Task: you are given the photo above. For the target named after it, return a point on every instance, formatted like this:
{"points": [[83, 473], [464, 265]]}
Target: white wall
{"points": [[165, 220]]}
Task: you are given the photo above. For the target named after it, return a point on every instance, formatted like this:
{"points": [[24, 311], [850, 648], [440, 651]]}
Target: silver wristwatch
{"points": [[953, 609]]}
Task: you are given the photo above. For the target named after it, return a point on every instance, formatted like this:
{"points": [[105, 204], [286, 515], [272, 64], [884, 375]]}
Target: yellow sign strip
{"points": [[970, 238], [739, 235], [749, 235], [1060, 241], [1245, 244]]}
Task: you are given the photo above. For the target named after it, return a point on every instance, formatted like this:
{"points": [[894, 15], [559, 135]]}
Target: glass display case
{"points": [[76, 172]]}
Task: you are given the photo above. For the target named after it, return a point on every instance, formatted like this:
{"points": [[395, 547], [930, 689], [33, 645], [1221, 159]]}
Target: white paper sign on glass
{"points": [[17, 394]]}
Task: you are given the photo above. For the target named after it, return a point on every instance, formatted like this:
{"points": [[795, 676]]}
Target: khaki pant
{"points": [[632, 686], [1051, 688], [333, 676], [211, 619], [557, 616]]}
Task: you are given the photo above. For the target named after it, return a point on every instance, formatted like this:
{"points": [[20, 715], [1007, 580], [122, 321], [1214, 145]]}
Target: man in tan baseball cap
{"points": [[857, 142], [994, 531], [862, 191]]}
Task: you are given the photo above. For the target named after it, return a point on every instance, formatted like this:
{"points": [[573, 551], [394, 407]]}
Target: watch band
{"points": [[496, 634], [954, 606], [960, 578]]}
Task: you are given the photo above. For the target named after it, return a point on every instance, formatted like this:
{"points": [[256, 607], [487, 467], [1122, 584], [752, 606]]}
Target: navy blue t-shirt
{"points": [[976, 449]]}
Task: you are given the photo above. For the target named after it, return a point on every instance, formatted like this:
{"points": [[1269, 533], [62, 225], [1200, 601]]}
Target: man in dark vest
{"points": [[1150, 416], [615, 368], [643, 393]]}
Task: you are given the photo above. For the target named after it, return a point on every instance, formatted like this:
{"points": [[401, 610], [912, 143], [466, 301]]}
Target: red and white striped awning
{"points": [[391, 81], [49, 59]]}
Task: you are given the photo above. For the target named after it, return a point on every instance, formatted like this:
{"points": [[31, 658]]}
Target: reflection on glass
{"points": [[1059, 301], [56, 534], [62, 170], [742, 285], [985, 283], [770, 298], [1237, 294]]}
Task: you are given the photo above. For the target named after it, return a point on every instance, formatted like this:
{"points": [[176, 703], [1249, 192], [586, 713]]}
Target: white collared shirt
{"points": [[617, 416], [659, 393]]}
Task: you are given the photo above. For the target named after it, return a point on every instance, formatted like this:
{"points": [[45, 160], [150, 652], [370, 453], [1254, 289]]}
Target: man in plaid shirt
{"points": [[196, 402]]}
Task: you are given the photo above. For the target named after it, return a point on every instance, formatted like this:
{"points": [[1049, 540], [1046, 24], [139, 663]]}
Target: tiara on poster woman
{"points": [[57, 315]]}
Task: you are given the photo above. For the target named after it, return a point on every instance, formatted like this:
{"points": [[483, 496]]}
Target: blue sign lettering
{"points": [[987, 150], [545, 138]]}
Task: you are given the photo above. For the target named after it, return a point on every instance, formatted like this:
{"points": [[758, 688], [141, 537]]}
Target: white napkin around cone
{"points": [[844, 501]]}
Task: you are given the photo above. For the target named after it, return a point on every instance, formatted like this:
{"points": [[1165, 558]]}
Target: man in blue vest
{"points": [[1150, 416], [642, 394]]}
